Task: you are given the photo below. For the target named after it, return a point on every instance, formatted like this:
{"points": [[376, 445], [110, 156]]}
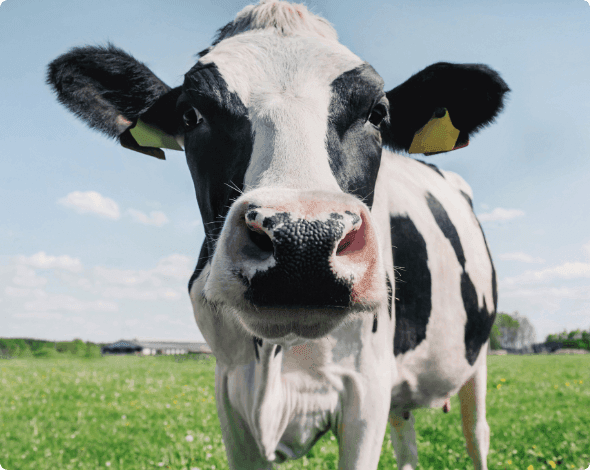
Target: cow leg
{"points": [[240, 446], [473, 414], [362, 425], [403, 438]]}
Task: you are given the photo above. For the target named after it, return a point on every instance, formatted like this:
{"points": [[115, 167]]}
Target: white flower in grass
{"points": [[73, 436], [123, 417], [195, 468], [167, 405], [207, 438], [189, 438], [208, 456], [108, 464], [160, 464]]}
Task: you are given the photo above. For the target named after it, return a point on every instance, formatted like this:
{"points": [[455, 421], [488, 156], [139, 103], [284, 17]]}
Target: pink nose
{"points": [[304, 251]]}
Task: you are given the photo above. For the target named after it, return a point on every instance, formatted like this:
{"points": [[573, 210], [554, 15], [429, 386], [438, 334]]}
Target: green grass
{"points": [[137, 412]]}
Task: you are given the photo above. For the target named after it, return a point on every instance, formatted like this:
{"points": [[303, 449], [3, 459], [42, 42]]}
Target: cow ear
{"points": [[441, 107], [119, 96]]}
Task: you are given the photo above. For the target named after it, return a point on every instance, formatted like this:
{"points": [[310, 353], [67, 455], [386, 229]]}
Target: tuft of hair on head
{"points": [[289, 19]]}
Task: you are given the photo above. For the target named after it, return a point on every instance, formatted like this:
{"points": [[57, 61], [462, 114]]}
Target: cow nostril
{"points": [[261, 240], [346, 242], [352, 242]]}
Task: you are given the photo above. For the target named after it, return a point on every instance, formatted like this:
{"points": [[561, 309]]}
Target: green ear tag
{"points": [[438, 135], [148, 136]]}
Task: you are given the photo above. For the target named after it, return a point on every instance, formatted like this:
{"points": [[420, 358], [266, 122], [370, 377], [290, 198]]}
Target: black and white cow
{"points": [[340, 285]]}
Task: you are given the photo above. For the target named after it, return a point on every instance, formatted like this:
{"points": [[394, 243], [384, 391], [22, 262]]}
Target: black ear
{"points": [[110, 90], [473, 95]]}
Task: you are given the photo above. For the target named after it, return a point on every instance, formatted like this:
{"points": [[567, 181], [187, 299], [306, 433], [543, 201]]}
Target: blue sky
{"points": [[98, 242]]}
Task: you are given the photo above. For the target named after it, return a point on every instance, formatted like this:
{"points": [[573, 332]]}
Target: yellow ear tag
{"points": [[148, 136], [438, 135]]}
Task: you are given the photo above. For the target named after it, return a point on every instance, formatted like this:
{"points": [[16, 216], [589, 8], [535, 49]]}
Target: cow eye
{"points": [[377, 115], [191, 119]]}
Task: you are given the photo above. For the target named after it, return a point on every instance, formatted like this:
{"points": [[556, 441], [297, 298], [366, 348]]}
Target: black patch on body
{"points": [[257, 342], [302, 275], [479, 321], [353, 144], [430, 165], [446, 226], [472, 93], [389, 294], [218, 150], [468, 199], [413, 287]]}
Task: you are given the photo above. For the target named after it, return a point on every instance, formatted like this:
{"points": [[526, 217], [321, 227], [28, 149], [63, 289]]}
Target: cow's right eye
{"points": [[191, 119]]}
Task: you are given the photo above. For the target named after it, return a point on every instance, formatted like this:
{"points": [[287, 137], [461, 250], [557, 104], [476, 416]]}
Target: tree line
{"points": [[515, 331], [26, 347]]}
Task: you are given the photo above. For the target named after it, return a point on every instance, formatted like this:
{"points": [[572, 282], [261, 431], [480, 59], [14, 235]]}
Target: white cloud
{"points": [[520, 256], [126, 277], [92, 202], [42, 261], [156, 218], [570, 270], [500, 214], [20, 292], [41, 315], [69, 303], [545, 293], [172, 268], [177, 266], [27, 277], [141, 294]]}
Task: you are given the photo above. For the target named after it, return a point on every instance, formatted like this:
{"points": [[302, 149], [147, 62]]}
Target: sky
{"points": [[98, 242]]}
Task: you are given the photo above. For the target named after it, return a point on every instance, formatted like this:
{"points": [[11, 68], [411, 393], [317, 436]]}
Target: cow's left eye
{"points": [[191, 119], [377, 114]]}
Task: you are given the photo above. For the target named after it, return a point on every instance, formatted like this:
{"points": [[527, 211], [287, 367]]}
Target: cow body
{"points": [[339, 285], [288, 393]]}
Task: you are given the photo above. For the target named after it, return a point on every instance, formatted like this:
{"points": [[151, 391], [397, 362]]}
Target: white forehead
{"points": [[261, 63]]}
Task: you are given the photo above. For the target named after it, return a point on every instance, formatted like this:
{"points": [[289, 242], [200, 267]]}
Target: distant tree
{"points": [[495, 342], [508, 329], [92, 351], [79, 347], [49, 352], [525, 336]]}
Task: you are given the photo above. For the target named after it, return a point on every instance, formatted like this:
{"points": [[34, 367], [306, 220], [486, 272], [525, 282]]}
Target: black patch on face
{"points": [[277, 350], [413, 286], [353, 144], [479, 321], [218, 150], [302, 275], [434, 167], [374, 330], [446, 226]]}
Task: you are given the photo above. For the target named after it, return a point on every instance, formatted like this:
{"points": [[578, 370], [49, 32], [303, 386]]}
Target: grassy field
{"points": [[153, 412]]}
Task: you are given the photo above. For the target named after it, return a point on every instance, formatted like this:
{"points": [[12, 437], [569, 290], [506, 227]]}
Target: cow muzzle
{"points": [[297, 260]]}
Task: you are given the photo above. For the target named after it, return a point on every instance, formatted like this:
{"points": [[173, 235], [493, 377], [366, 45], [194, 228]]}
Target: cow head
{"points": [[283, 129]]}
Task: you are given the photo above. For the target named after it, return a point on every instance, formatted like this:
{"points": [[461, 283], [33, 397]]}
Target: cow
{"points": [[340, 285]]}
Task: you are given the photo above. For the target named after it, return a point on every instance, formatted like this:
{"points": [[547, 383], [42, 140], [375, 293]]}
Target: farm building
{"points": [[152, 347]]}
